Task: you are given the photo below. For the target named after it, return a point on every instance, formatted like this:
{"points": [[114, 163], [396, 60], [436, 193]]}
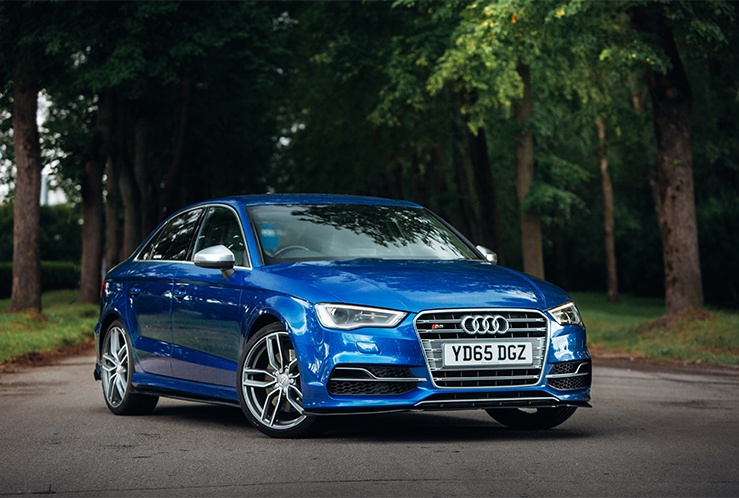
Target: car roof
{"points": [[316, 199]]}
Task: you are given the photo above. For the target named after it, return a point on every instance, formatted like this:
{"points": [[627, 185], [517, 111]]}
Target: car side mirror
{"points": [[488, 254], [217, 257]]}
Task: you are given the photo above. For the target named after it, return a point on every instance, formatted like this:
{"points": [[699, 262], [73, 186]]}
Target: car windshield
{"points": [[335, 232]]}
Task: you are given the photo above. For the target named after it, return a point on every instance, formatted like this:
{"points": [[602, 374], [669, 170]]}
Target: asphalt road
{"points": [[650, 432]]}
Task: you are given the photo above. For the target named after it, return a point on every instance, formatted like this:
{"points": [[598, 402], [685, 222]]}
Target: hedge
{"points": [[54, 275]]}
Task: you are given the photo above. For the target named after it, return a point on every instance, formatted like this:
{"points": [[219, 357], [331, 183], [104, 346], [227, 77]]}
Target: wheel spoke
{"points": [[267, 403], [111, 386], [273, 359], [276, 408], [121, 385], [122, 356], [258, 383], [294, 402], [114, 342], [109, 363]]}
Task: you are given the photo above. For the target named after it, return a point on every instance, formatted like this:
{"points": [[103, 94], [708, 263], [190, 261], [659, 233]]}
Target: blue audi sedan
{"points": [[299, 307]]}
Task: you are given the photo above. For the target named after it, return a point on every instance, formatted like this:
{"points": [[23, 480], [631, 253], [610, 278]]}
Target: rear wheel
{"points": [[269, 385], [536, 418], [116, 371]]}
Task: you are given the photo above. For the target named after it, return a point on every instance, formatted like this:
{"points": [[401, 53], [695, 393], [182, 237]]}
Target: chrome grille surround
{"points": [[524, 326]]}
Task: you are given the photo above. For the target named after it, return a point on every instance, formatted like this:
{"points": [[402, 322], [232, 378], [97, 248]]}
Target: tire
{"points": [[116, 371], [538, 419], [269, 386]]}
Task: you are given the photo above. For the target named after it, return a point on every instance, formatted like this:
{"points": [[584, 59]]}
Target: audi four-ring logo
{"points": [[480, 324]]}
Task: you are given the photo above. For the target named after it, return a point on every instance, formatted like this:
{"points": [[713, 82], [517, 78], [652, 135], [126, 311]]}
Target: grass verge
{"points": [[66, 322], [636, 326]]}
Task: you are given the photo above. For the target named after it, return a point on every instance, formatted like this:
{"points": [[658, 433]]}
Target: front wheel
{"points": [[116, 371], [269, 385], [536, 419]]}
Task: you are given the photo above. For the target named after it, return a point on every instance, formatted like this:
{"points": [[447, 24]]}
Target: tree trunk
{"points": [[92, 202], [608, 219], [671, 101], [26, 287], [560, 258], [531, 245], [466, 187], [171, 182], [149, 204], [112, 208], [131, 207]]}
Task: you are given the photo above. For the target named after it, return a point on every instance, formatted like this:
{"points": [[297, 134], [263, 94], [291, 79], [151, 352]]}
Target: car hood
{"points": [[416, 285]]}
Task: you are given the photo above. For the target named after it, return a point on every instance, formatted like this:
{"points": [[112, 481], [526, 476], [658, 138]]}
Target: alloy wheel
{"points": [[270, 382], [115, 366]]}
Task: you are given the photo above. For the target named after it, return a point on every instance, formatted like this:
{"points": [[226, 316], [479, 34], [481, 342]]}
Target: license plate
{"points": [[480, 353]]}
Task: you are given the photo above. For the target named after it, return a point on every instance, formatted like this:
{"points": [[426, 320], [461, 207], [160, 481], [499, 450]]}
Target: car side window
{"points": [[174, 242], [221, 226]]}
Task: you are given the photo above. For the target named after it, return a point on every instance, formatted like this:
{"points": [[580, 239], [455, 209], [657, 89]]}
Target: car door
{"points": [[206, 309], [150, 289]]}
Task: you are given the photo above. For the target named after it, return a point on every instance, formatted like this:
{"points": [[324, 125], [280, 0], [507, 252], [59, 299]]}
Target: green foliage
{"points": [[555, 191]]}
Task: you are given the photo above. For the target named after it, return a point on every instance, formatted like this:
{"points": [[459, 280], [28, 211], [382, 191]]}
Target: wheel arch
{"points": [[264, 319], [104, 324], [289, 311]]}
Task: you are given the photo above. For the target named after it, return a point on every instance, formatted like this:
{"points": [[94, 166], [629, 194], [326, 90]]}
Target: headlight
{"points": [[567, 314], [347, 317]]}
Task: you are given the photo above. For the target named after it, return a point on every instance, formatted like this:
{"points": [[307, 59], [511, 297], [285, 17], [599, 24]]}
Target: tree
{"points": [[498, 49], [22, 41], [26, 289], [674, 189], [141, 90], [608, 216]]}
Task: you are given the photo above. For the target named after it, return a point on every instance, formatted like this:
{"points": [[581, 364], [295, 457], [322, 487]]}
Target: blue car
{"points": [[299, 307]]}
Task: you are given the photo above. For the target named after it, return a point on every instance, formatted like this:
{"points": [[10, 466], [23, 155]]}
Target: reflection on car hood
{"points": [[419, 285]]}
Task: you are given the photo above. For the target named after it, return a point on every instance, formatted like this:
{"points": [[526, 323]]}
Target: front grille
{"points": [[570, 375], [359, 388], [370, 380], [435, 328]]}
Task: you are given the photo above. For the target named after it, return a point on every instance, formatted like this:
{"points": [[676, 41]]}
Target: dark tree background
{"points": [[594, 144]]}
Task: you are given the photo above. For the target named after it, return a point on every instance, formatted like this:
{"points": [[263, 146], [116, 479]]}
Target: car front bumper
{"points": [[380, 370]]}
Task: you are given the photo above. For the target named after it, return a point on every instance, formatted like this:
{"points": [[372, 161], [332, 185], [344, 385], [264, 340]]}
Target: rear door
{"points": [[150, 291]]}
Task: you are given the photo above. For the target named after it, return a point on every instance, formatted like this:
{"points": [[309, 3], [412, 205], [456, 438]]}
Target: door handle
{"points": [[134, 291], [179, 293]]}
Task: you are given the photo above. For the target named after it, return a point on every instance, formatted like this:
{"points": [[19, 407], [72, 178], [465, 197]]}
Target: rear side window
{"points": [[175, 239]]}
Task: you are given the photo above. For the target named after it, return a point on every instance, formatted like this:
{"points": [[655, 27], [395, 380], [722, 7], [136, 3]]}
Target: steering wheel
{"points": [[288, 248]]}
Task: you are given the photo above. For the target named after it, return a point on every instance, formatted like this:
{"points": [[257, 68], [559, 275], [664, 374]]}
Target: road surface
{"points": [[650, 432]]}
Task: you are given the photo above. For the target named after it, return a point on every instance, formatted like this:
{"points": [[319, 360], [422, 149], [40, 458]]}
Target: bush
{"points": [[54, 275], [60, 238]]}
